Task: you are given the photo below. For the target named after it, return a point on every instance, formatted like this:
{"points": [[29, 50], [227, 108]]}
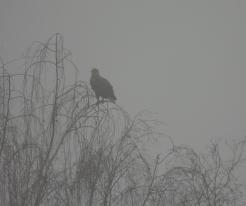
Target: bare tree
{"points": [[58, 147]]}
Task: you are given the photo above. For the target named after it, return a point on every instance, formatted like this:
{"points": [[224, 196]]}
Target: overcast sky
{"points": [[183, 59]]}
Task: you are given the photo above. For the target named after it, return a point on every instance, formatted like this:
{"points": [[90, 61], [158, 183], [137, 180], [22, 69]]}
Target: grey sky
{"points": [[184, 59]]}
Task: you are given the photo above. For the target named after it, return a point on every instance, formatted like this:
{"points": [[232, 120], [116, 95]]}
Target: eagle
{"points": [[101, 86]]}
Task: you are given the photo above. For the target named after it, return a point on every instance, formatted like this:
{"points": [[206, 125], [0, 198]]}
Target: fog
{"points": [[183, 60]]}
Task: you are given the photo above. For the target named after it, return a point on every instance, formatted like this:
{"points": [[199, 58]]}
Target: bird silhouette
{"points": [[101, 87]]}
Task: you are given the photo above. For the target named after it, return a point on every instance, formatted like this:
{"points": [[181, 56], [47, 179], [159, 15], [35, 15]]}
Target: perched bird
{"points": [[101, 86]]}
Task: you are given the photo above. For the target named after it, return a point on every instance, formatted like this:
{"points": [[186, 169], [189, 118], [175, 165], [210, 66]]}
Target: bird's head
{"points": [[95, 72]]}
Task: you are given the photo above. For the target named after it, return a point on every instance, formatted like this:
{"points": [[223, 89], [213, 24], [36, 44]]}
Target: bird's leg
{"points": [[107, 107]]}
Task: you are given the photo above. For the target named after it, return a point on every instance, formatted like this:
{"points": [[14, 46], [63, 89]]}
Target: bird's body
{"points": [[101, 86]]}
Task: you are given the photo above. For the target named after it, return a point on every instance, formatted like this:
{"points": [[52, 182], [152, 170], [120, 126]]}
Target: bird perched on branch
{"points": [[101, 86]]}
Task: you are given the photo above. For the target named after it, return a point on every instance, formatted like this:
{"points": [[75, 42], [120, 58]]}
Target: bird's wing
{"points": [[107, 87], [104, 83]]}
